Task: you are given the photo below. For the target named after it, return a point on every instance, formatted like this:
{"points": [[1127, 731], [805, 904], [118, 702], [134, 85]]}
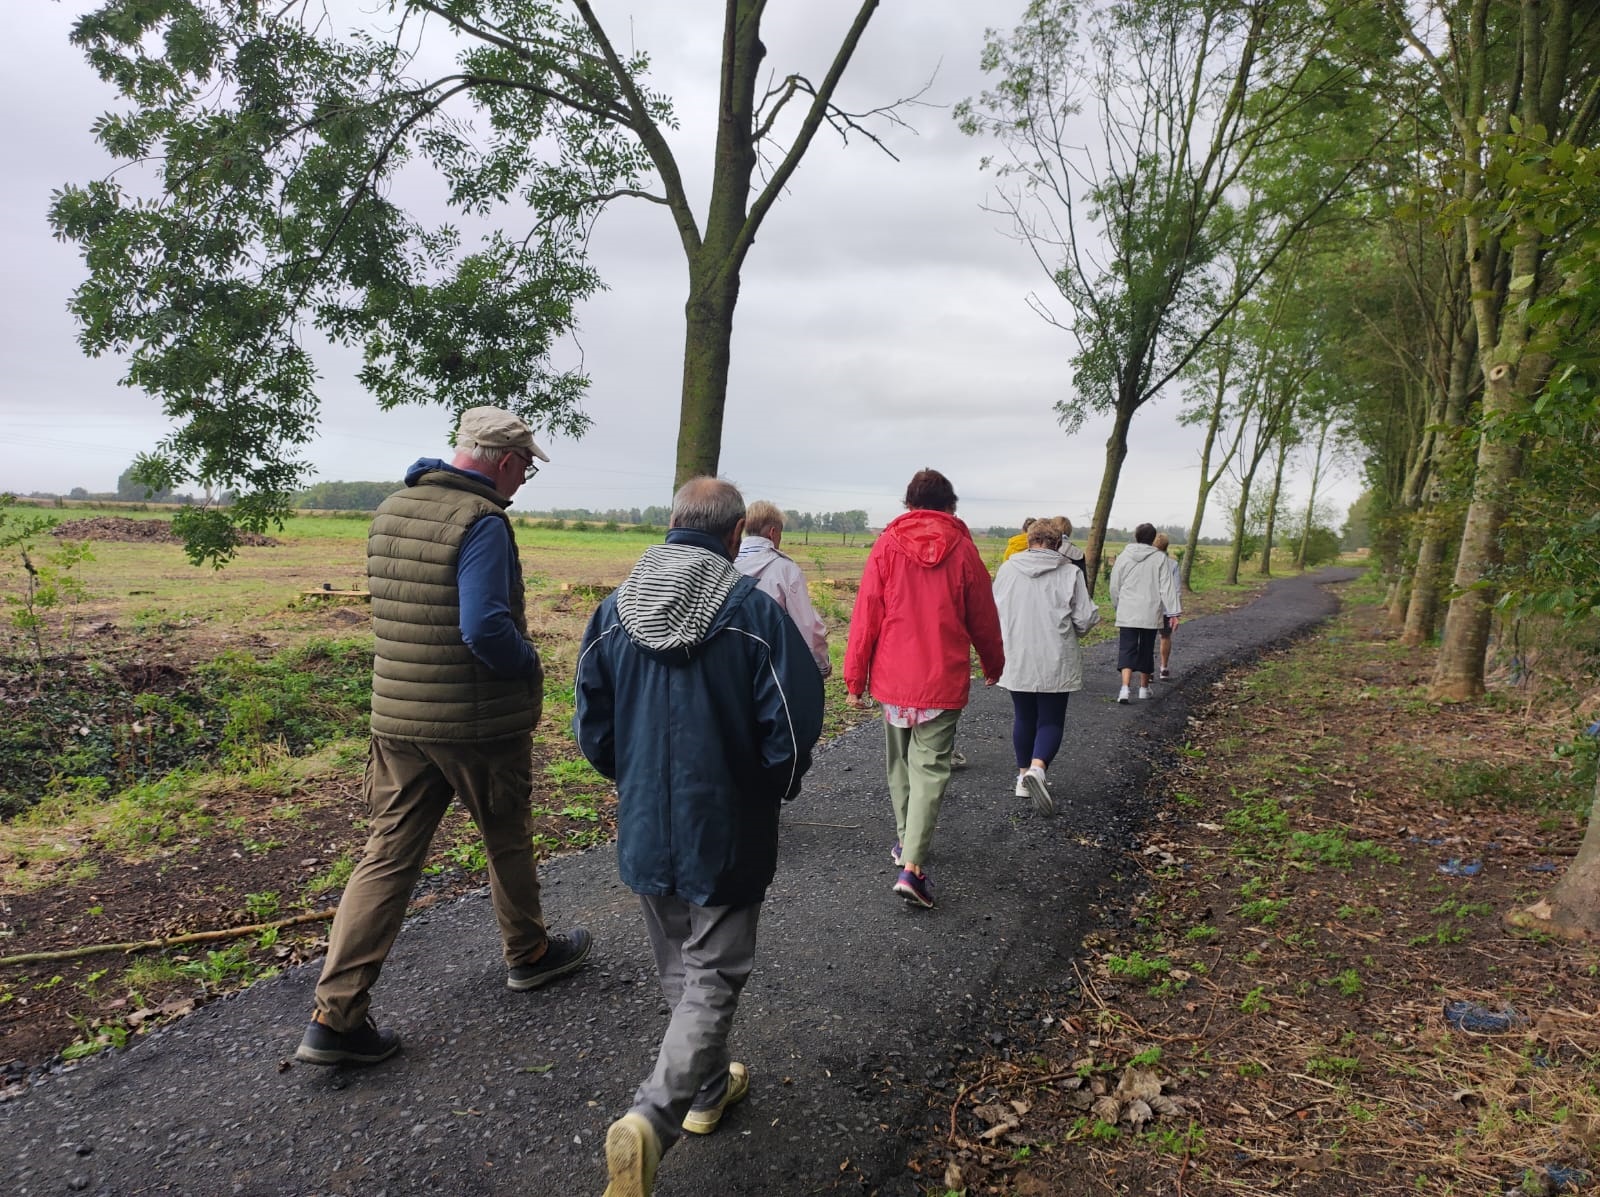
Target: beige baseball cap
{"points": [[496, 428]]}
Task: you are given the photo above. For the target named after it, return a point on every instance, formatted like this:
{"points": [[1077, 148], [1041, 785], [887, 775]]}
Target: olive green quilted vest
{"points": [[426, 684]]}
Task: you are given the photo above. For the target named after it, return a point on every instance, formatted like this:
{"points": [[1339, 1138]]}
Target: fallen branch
{"points": [[315, 916], [95, 949]]}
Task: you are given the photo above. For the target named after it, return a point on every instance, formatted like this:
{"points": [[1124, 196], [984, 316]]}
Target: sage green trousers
{"points": [[919, 770]]}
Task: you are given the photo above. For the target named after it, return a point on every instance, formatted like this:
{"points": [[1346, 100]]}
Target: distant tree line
{"points": [[842, 522], [345, 496], [653, 516], [130, 491], [1176, 534]]}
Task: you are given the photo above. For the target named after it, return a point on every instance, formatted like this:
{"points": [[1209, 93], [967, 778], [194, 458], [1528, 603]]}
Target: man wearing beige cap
{"points": [[457, 688]]}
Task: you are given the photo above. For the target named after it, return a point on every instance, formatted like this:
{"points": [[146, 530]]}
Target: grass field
{"points": [[184, 749], [240, 658]]}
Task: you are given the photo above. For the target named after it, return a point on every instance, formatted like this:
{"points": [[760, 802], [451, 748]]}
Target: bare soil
{"points": [[108, 527], [1324, 884]]}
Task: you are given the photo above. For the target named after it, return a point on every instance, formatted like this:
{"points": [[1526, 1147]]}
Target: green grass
{"points": [[333, 878], [1136, 966], [1334, 848]]}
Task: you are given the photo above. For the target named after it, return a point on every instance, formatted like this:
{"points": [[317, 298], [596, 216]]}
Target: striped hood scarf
{"points": [[672, 597]]}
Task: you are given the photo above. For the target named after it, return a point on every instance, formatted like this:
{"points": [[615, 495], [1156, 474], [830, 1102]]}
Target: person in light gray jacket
{"points": [[1044, 608], [1143, 594], [777, 574]]}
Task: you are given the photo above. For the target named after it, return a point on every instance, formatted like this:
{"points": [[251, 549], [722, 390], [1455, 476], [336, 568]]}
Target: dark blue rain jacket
{"points": [[704, 741]]}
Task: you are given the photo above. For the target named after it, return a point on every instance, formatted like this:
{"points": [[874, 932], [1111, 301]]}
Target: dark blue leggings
{"points": [[1037, 720]]}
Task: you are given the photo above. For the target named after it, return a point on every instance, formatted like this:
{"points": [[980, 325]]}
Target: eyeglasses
{"points": [[530, 466]]}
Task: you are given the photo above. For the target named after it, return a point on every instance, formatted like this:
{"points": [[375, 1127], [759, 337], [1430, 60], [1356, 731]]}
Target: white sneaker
{"points": [[1122, 694], [1144, 691], [1039, 790], [1022, 790]]}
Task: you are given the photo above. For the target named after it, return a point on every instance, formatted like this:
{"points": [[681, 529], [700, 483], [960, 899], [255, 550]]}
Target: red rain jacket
{"points": [[925, 596]]}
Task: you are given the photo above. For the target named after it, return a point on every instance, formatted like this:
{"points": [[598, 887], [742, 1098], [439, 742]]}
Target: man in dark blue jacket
{"points": [[698, 696]]}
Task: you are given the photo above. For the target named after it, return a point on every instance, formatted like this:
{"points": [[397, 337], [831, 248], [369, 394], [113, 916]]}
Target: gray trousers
{"points": [[704, 955]]}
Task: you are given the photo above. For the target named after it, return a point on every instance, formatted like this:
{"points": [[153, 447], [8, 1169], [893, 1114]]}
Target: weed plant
{"points": [[89, 733]]}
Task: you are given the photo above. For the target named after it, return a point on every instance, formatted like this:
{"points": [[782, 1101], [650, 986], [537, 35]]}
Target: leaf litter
{"points": [[1290, 996]]}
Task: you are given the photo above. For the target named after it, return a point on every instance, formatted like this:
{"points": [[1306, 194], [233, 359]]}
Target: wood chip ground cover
{"points": [[1264, 1010]]}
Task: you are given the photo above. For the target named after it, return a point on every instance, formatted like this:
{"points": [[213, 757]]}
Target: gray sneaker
{"points": [[367, 1044], [562, 955]]}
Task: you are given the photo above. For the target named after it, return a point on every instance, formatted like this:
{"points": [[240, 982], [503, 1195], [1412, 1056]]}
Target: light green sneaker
{"points": [[702, 1120], [632, 1156]]}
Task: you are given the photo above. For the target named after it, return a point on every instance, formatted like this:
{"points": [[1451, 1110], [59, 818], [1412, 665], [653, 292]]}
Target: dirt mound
{"points": [[108, 527]]}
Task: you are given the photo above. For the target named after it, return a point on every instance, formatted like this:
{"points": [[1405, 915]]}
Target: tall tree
{"points": [[269, 142], [1521, 83], [1559, 509], [1186, 93]]}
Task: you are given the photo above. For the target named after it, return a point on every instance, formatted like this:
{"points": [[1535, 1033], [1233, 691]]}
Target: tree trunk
{"points": [[1422, 611], [1245, 483], [708, 342], [1440, 523], [1207, 482], [734, 212], [1572, 911], [1186, 570], [1241, 516], [1272, 510], [1116, 454], [1311, 500], [1512, 375], [1458, 674]]}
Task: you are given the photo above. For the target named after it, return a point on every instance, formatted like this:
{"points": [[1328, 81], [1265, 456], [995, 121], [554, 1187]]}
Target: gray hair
{"points": [[484, 455], [706, 504]]}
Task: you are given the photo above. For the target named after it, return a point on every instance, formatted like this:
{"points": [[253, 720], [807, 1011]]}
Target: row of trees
{"points": [[1330, 226], [1337, 225], [806, 522]]}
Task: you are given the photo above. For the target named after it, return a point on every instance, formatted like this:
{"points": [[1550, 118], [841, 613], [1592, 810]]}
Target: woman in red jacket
{"points": [[925, 596]]}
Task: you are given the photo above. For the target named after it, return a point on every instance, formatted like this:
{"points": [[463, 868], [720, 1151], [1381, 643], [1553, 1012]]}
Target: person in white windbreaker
{"points": [[1143, 593], [777, 574], [1044, 608], [1169, 622]]}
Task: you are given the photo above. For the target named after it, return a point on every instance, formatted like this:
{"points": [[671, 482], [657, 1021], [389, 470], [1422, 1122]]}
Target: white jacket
{"points": [[1141, 587], [777, 574], [1044, 607]]}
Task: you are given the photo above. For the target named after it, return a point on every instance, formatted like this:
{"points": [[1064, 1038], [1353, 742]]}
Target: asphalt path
{"points": [[858, 1002]]}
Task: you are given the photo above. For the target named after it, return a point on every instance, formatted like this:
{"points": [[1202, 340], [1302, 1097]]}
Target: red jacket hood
{"points": [[926, 537]]}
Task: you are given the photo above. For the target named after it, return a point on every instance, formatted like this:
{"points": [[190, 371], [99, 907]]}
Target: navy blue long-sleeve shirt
{"points": [[485, 568]]}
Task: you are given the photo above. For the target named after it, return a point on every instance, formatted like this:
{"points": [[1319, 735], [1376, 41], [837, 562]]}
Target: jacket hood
{"points": [[1071, 551], [677, 596], [1138, 552], [1035, 563], [926, 537], [424, 466], [756, 553]]}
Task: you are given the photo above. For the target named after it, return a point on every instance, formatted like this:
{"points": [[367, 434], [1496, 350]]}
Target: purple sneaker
{"points": [[894, 854], [917, 890]]}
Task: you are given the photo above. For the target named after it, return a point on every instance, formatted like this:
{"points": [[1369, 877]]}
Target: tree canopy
{"points": [[259, 206]]}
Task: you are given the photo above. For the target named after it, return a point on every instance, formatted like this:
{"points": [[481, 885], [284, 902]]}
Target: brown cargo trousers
{"points": [[408, 788]]}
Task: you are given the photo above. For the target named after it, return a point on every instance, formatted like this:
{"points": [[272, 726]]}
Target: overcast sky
{"points": [[882, 324]]}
